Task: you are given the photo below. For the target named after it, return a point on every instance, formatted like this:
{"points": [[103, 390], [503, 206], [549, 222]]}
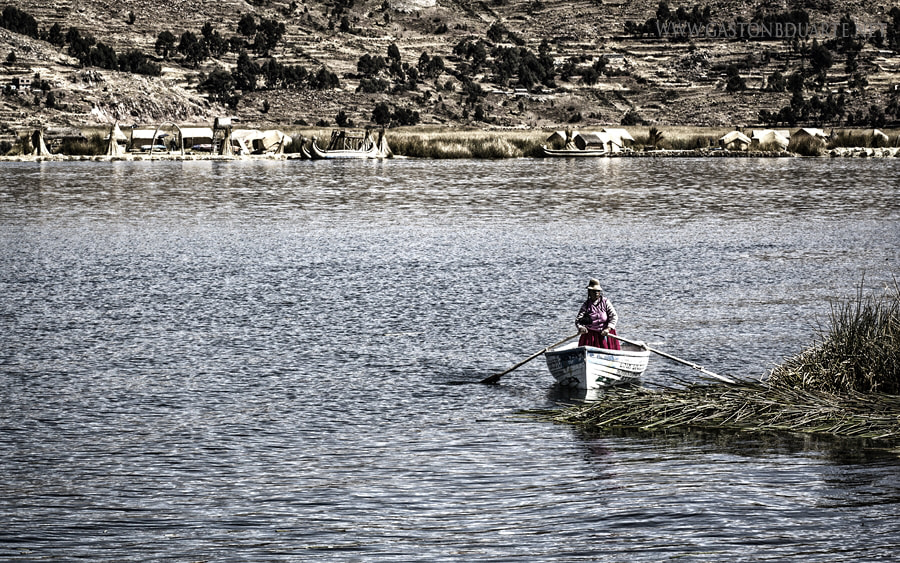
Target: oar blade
{"points": [[492, 379]]}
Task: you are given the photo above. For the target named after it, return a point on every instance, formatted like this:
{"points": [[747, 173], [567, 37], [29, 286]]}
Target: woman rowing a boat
{"points": [[596, 319]]}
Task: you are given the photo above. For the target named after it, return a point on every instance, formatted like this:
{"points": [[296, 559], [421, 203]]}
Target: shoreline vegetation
{"points": [[450, 143], [845, 385]]}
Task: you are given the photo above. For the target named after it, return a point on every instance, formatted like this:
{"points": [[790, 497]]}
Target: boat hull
{"points": [[586, 367], [323, 154], [573, 153]]}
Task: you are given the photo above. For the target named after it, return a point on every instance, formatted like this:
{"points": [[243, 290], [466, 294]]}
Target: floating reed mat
{"points": [[746, 407], [846, 384]]}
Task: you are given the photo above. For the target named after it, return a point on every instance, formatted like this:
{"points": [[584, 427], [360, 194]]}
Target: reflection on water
{"points": [[409, 192], [245, 360]]}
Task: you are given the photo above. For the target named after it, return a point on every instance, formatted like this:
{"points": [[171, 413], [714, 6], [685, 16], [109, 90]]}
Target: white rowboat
{"points": [[586, 367]]}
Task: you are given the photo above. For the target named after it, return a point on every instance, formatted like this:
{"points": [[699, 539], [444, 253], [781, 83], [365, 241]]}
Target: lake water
{"points": [[251, 361]]}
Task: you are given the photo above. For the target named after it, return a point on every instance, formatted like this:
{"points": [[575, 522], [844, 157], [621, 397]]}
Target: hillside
{"points": [[694, 80]]}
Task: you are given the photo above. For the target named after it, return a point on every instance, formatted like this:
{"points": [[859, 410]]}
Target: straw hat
{"points": [[594, 284]]}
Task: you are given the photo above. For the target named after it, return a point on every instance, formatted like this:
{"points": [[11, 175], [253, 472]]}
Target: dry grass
{"points": [[861, 139], [806, 146], [467, 144], [425, 142], [92, 146]]}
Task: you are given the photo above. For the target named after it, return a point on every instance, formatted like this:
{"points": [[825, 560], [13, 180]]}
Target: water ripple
{"points": [[247, 361]]}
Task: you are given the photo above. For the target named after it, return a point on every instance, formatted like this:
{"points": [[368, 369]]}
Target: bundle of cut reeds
{"points": [[747, 407]]}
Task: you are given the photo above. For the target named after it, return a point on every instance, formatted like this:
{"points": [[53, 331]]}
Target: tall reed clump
{"points": [[860, 352], [92, 146], [674, 141], [22, 146], [688, 143], [745, 407], [473, 144], [295, 145], [866, 140], [806, 146]]}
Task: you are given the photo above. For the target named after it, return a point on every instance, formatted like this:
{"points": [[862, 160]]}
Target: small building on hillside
{"points": [[21, 84], [735, 141]]}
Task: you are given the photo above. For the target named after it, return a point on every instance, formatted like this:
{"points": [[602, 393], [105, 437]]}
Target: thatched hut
{"points": [[735, 141], [116, 141], [39, 148], [770, 138], [591, 141], [560, 139], [617, 139], [810, 134], [880, 138]]}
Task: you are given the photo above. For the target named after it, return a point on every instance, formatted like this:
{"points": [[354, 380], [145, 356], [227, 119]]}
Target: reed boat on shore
{"points": [[586, 367], [573, 153], [344, 145]]}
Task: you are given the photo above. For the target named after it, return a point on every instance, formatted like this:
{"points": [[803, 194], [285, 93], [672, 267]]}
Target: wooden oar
{"points": [[701, 369], [490, 380]]}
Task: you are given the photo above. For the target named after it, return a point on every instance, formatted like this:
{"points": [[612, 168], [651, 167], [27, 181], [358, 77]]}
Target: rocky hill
{"points": [[604, 70]]}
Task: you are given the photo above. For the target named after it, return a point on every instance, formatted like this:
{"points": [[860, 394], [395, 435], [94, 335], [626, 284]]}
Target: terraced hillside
{"points": [[649, 79]]}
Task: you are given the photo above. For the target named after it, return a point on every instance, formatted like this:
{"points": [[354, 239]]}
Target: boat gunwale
{"points": [[575, 349]]}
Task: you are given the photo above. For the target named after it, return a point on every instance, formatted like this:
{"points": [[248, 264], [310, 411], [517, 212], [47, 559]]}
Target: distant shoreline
{"points": [[858, 152], [487, 144]]}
